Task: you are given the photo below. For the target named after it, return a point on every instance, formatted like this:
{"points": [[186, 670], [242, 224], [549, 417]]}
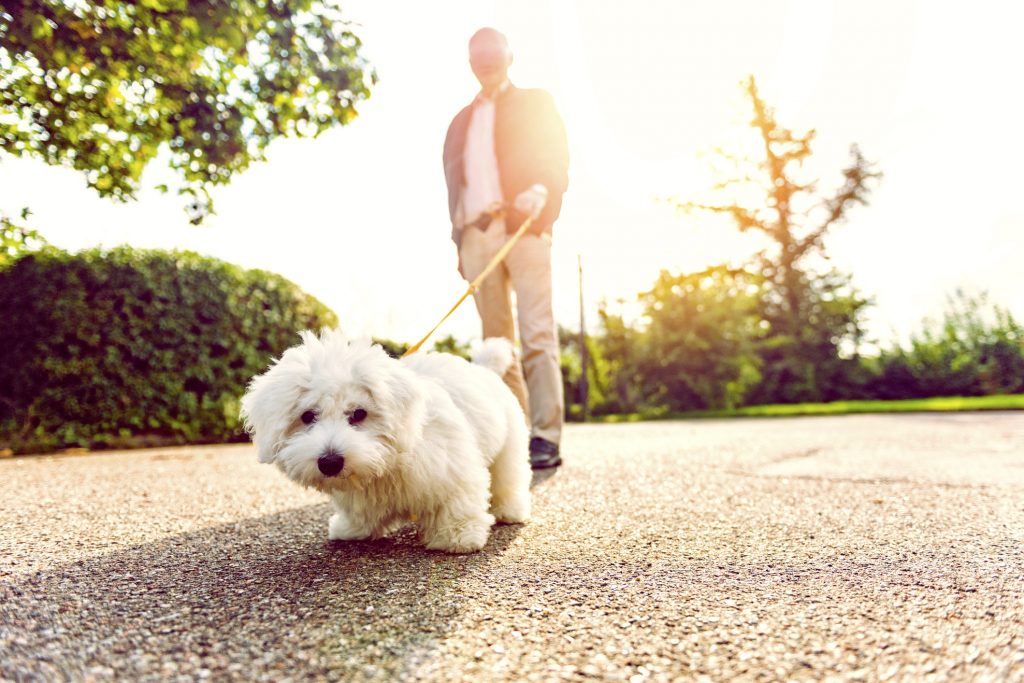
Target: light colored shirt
{"points": [[483, 182]]}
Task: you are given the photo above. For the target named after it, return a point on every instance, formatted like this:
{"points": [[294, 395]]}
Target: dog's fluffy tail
{"points": [[495, 353]]}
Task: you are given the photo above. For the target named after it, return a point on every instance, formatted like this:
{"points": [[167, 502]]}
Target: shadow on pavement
{"points": [[264, 597]]}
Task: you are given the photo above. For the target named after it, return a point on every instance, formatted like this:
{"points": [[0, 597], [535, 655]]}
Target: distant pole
{"points": [[584, 385]]}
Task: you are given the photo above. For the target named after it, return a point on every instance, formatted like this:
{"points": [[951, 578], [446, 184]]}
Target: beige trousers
{"points": [[527, 271]]}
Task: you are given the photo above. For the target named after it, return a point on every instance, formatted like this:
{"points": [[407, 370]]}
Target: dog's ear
{"points": [[404, 404], [265, 452], [268, 410]]}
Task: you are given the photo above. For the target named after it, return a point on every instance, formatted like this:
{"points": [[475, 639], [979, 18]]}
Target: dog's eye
{"points": [[357, 416], [308, 417]]}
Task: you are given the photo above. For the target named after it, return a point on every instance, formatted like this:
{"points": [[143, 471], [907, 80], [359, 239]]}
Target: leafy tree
{"points": [[811, 312], [103, 85], [819, 359], [696, 346], [619, 348], [700, 342]]}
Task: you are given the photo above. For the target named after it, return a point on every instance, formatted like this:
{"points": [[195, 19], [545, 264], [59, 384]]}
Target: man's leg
{"points": [[529, 267], [493, 296]]}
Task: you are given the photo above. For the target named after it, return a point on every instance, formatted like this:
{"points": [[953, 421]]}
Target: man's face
{"points": [[489, 57]]}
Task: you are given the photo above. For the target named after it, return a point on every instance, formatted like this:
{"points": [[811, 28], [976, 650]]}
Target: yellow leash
{"points": [[498, 258]]}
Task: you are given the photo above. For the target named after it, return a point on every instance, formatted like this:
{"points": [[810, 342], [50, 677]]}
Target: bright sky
{"points": [[358, 217]]}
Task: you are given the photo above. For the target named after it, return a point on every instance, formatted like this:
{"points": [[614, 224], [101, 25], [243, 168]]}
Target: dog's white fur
{"points": [[443, 443]]}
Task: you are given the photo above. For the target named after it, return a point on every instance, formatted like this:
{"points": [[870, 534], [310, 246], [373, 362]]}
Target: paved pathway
{"points": [[862, 547]]}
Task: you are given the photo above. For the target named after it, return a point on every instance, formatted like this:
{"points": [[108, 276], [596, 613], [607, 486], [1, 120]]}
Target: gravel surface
{"points": [[852, 548]]}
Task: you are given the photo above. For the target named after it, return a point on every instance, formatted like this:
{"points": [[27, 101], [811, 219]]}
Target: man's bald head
{"points": [[489, 57]]}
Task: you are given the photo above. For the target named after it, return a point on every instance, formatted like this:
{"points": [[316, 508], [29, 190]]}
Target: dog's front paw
{"points": [[459, 535], [342, 528], [512, 511]]}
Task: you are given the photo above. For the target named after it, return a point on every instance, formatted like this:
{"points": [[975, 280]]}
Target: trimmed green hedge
{"points": [[130, 347]]}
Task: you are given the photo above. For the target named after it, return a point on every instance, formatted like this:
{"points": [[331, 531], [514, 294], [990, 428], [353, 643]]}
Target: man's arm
{"points": [[454, 142], [532, 150], [547, 160], [551, 148]]}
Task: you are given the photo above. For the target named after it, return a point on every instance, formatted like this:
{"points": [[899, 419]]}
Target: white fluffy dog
{"points": [[430, 439]]}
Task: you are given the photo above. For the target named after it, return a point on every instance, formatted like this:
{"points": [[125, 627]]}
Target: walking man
{"points": [[506, 158]]}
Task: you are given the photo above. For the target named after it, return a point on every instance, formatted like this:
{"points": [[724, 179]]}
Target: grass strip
{"points": [[940, 404]]}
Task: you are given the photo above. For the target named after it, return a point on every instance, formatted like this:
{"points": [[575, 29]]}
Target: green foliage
{"points": [[16, 240], [696, 347], [393, 348], [703, 348], [101, 86], [975, 350], [447, 344], [450, 344], [619, 345], [131, 347], [596, 391], [818, 360], [699, 348]]}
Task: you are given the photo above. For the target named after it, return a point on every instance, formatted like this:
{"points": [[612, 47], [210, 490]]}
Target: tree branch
{"points": [[746, 219], [856, 188]]}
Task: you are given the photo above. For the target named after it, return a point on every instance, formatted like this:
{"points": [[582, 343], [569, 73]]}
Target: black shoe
{"points": [[543, 454]]}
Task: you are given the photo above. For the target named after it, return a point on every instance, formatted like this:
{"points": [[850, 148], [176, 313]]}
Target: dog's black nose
{"points": [[330, 464]]}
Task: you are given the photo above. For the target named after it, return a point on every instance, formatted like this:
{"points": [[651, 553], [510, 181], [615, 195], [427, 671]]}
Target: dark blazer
{"points": [[530, 145]]}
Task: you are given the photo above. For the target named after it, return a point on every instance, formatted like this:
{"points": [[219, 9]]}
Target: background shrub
{"points": [[975, 350], [695, 348], [132, 347]]}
